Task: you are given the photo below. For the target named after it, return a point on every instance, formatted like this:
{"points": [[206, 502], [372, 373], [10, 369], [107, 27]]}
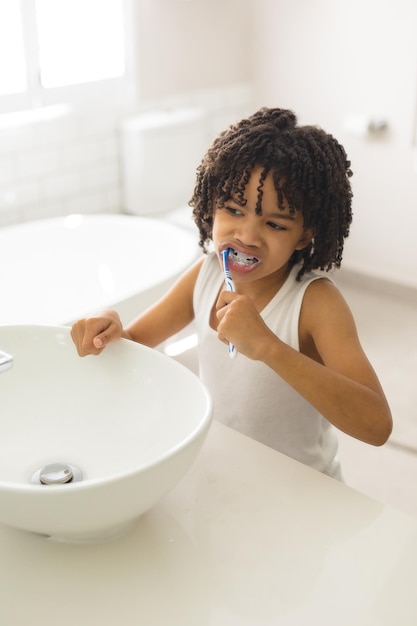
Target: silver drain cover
{"points": [[56, 474]]}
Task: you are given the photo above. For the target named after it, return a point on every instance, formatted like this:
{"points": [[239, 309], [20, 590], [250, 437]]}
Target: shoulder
{"points": [[325, 313], [208, 268], [321, 290], [191, 275], [192, 278], [185, 284]]}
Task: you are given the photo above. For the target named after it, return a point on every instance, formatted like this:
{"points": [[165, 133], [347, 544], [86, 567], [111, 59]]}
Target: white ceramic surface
{"points": [[249, 537], [57, 270], [132, 420]]}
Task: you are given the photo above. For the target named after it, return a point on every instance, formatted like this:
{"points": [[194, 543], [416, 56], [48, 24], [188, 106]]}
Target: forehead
{"points": [[262, 192]]}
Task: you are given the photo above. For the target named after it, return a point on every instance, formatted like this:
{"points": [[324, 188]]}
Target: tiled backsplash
{"points": [[52, 167], [69, 162]]}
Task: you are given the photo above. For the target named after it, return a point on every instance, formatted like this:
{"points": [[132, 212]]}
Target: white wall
{"points": [[191, 45], [329, 60]]}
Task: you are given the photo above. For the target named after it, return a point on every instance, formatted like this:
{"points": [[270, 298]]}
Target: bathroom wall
{"points": [[70, 162], [193, 45], [341, 65], [64, 161]]}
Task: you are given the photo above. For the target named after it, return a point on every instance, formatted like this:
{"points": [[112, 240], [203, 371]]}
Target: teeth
{"points": [[242, 259]]}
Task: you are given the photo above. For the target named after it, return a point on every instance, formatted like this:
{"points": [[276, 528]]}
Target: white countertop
{"points": [[248, 537]]}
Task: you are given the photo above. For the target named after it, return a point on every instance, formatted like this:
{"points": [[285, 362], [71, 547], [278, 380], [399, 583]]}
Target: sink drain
{"points": [[56, 474]]}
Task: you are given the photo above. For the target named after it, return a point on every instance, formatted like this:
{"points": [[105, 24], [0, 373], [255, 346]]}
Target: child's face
{"points": [[262, 244]]}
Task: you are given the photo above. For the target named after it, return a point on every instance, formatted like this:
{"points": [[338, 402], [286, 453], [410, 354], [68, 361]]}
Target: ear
{"points": [[307, 237]]}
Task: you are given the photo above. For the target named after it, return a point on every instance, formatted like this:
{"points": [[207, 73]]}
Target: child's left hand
{"points": [[240, 324]]}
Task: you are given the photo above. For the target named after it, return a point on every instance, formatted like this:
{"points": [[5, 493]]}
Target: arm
{"points": [[331, 371], [162, 320]]}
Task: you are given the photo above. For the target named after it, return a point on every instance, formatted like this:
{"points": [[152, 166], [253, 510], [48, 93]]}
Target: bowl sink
{"points": [[126, 425]]}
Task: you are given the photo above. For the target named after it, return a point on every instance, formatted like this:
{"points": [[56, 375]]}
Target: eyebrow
{"points": [[281, 216], [274, 215]]}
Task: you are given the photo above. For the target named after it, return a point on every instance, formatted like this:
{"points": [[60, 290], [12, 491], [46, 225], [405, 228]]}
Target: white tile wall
{"points": [[52, 167], [70, 162]]}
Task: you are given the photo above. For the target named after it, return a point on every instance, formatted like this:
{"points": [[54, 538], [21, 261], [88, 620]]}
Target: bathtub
{"points": [[57, 270]]}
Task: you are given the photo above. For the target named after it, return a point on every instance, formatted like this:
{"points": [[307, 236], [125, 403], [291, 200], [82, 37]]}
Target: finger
{"points": [[95, 344], [101, 341], [91, 350], [77, 337], [225, 298], [88, 337], [222, 338]]}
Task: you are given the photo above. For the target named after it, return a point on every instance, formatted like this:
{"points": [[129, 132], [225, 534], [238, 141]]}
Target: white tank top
{"points": [[248, 395]]}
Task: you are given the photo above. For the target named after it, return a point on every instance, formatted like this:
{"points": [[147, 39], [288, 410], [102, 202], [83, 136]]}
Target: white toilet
{"points": [[160, 153]]}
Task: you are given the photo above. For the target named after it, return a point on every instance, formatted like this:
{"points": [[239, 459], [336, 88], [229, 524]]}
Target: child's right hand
{"points": [[92, 334]]}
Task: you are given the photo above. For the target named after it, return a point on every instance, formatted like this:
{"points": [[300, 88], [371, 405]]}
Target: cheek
{"points": [[218, 226]]}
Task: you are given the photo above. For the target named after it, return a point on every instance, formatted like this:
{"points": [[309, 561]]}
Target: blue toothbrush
{"points": [[230, 287]]}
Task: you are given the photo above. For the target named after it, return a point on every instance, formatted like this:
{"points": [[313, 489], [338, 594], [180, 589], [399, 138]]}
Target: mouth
{"points": [[242, 259]]}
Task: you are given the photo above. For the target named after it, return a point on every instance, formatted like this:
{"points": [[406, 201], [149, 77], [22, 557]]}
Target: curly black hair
{"points": [[310, 170]]}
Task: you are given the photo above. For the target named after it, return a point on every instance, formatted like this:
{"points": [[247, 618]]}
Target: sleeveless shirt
{"points": [[248, 395]]}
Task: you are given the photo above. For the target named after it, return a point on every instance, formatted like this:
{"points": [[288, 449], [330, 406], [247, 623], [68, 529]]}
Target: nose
{"points": [[248, 231]]}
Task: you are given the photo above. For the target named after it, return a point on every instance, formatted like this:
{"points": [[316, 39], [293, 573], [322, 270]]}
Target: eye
{"points": [[275, 226], [232, 210]]}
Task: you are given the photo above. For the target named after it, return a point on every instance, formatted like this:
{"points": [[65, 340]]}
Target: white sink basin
{"points": [[131, 421]]}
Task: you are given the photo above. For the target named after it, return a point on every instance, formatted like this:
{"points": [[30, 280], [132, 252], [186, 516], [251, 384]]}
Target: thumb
{"points": [[100, 341]]}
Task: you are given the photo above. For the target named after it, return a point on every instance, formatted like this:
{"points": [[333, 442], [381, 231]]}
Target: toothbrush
{"points": [[230, 287]]}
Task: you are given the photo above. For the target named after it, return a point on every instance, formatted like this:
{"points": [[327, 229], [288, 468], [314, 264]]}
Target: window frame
{"points": [[103, 93]]}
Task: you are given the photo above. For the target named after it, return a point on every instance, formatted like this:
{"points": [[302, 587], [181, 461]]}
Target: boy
{"points": [[277, 196]]}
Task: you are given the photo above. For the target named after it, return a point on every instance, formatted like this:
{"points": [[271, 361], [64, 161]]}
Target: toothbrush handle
{"points": [[230, 287], [232, 351], [228, 279]]}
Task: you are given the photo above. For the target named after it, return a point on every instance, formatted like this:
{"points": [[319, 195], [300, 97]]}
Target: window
{"points": [[54, 51]]}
